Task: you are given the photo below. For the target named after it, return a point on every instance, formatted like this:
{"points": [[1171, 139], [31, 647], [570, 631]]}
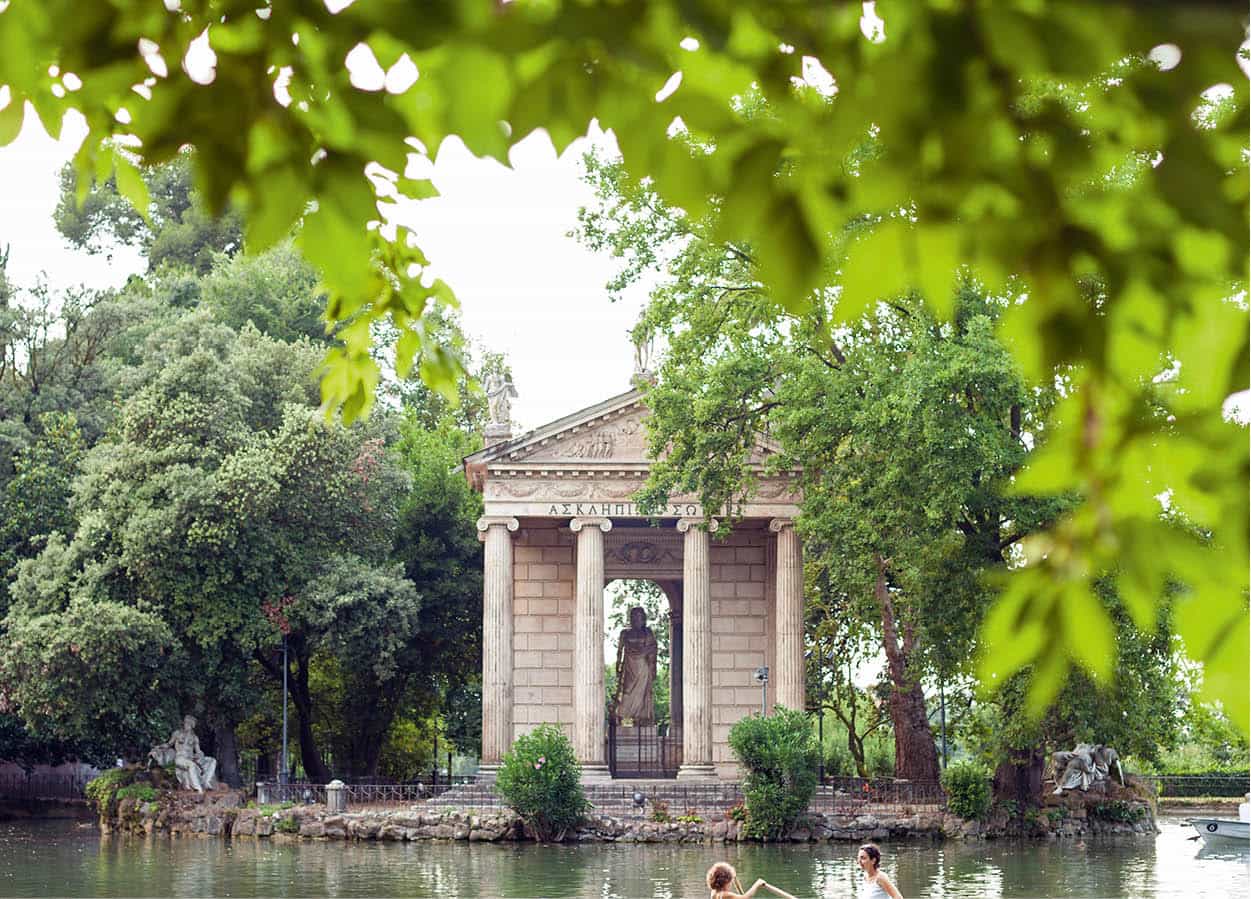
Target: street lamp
{"points": [[761, 676]]}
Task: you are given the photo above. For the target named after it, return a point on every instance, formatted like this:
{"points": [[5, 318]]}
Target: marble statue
{"points": [[643, 350], [636, 672], [1085, 766], [500, 392], [194, 770]]}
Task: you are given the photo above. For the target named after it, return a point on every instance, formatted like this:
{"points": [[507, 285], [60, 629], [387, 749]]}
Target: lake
{"points": [[62, 858]]}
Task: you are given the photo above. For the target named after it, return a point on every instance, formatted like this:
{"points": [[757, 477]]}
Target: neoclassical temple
{"points": [[559, 525]]}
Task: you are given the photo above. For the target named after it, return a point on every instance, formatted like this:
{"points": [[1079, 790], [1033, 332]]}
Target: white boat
{"points": [[1224, 830]]}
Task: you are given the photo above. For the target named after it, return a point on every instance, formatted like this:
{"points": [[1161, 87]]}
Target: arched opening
{"points": [[643, 677]]}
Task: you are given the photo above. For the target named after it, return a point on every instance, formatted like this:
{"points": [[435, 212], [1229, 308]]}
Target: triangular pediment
{"points": [[609, 434]]}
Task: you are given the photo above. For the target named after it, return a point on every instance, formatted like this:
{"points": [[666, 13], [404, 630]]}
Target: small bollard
{"points": [[336, 797], [262, 793]]}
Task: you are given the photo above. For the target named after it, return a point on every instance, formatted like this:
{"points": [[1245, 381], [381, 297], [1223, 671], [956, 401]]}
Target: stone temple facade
{"points": [[560, 524]]}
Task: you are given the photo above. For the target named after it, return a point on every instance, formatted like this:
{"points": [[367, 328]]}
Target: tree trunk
{"points": [[1020, 776], [916, 757], [314, 767], [227, 750]]}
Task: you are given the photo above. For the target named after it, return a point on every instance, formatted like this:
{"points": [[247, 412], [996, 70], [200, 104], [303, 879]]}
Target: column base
{"points": [[697, 772], [595, 774], [486, 774]]}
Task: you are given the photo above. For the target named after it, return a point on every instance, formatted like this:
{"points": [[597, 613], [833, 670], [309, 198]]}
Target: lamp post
{"points": [[761, 676], [282, 772]]}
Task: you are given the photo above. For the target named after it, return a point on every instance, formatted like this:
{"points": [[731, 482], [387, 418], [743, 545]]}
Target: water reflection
{"points": [[53, 858]]}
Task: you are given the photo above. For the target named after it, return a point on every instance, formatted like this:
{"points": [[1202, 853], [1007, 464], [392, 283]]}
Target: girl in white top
{"points": [[876, 884]]}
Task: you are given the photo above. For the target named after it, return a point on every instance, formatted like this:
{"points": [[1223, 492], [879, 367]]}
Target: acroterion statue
{"points": [[636, 672], [194, 770]]}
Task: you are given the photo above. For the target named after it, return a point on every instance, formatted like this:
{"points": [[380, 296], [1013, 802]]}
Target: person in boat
{"points": [[722, 875], [876, 884]]}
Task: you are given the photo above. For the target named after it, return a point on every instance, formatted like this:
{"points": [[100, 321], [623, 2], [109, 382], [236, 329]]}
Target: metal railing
{"points": [[1178, 785], [848, 792], [358, 794], [643, 752], [43, 786]]}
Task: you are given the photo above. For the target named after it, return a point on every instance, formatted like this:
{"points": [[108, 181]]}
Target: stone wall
{"points": [[543, 588], [223, 815], [742, 632]]}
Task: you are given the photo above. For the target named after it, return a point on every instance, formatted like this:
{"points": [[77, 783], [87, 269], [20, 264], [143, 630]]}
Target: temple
{"points": [[559, 524]]}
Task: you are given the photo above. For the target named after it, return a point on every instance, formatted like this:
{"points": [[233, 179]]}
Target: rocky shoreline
{"points": [[226, 814]]}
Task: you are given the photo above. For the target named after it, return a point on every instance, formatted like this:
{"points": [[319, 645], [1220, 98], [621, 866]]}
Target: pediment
{"points": [[619, 438], [612, 434]]}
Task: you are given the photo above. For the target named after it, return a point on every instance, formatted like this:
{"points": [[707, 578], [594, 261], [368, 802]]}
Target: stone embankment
{"points": [[227, 814]]}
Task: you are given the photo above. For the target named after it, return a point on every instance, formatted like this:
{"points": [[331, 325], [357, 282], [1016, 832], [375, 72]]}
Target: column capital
{"points": [[776, 525], [488, 521], [577, 524], [685, 524]]}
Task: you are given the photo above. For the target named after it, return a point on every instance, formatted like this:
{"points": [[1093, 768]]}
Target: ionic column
{"points": [[675, 670], [497, 640], [789, 616], [588, 648], [696, 652]]}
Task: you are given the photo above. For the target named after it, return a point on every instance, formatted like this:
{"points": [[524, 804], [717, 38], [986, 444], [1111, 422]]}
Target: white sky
{"points": [[496, 235]]}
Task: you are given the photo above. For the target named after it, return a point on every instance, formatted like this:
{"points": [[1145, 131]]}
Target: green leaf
{"points": [[876, 268], [11, 118], [130, 184]]}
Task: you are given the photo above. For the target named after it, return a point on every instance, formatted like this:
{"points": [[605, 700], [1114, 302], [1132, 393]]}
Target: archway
{"points": [[643, 691]]}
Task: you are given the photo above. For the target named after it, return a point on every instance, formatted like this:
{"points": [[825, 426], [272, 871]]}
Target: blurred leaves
{"points": [[1016, 137]]}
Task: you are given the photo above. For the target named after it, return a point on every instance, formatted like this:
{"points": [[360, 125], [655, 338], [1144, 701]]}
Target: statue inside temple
{"points": [[1084, 767], [636, 672], [194, 770]]}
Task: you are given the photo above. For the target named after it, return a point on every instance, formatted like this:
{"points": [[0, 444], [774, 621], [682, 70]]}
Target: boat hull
{"points": [[1222, 830]]}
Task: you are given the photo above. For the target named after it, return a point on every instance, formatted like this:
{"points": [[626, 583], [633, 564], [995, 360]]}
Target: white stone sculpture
{"points": [[194, 770], [1085, 766], [636, 672], [500, 392]]}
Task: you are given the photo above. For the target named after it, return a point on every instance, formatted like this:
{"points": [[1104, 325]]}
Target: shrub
{"points": [[539, 778], [287, 825], [968, 790], [142, 792], [737, 812], [660, 811], [779, 756]]}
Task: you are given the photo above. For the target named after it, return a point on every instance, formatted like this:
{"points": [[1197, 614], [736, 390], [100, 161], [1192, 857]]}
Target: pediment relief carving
{"points": [[623, 439]]}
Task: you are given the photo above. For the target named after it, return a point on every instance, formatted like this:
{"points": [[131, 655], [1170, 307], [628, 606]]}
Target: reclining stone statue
{"points": [[1086, 765], [194, 770]]}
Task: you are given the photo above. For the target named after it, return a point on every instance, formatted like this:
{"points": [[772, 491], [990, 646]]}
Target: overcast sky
{"points": [[497, 235]]}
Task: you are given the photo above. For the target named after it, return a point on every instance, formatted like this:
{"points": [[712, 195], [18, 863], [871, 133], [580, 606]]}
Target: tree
{"points": [[36, 502], [175, 228], [220, 489], [1136, 711], [1050, 141], [906, 429]]}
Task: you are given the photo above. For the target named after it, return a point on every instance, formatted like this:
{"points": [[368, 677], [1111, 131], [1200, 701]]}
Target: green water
{"points": [[58, 858]]}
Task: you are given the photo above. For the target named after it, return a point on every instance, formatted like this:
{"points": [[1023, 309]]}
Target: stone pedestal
{"points": [[696, 653], [497, 638], [789, 616]]}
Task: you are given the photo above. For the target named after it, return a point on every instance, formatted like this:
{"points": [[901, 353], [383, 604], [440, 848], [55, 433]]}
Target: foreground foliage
{"points": [[1049, 142]]}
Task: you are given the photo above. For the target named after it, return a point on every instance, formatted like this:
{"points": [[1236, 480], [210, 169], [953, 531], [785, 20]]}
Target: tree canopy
{"points": [[1089, 154]]}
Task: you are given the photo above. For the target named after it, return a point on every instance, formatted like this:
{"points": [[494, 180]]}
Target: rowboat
{"points": [[1222, 830]]}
